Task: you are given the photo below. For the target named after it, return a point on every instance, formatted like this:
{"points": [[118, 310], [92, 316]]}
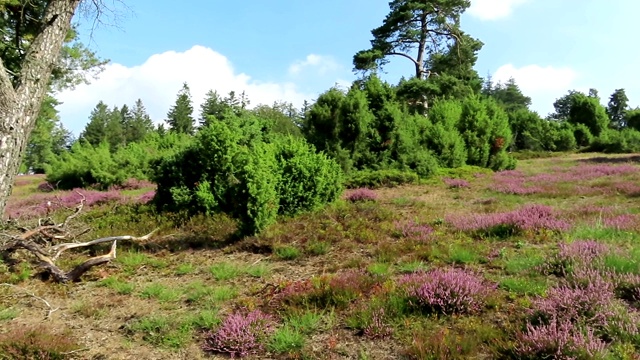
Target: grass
{"points": [[330, 279]]}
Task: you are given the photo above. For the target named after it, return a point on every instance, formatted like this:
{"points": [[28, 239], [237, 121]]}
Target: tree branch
{"points": [[405, 56], [63, 247]]}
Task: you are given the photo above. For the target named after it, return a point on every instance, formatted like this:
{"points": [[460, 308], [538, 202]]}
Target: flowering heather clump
{"points": [[583, 251], [456, 183], [621, 222], [628, 287], [628, 188], [414, 231], [515, 187], [576, 256], [558, 340], [530, 217], [377, 329], [361, 194], [146, 197], [40, 205], [447, 291], [592, 302], [240, 335]]}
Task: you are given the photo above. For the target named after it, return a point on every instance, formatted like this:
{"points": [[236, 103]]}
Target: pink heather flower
{"points": [[591, 302], [146, 197], [558, 340], [361, 194], [529, 217], [456, 183], [621, 222], [447, 291], [414, 231], [583, 251], [240, 335]]}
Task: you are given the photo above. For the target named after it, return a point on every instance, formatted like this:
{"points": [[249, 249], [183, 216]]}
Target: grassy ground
{"points": [[475, 269]]}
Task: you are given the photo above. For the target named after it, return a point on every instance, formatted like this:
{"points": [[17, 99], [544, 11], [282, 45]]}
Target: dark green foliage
{"points": [[613, 141], [407, 27], [237, 167], [485, 129], [48, 139], [87, 165], [582, 135], [617, 107], [442, 135], [588, 111], [380, 178], [509, 96], [528, 129], [632, 119], [180, 116], [281, 117]]}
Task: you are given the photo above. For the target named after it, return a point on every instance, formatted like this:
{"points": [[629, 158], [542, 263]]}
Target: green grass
{"points": [[225, 270], [258, 270], [119, 286], [286, 339], [524, 285], [164, 331], [160, 292], [185, 269], [287, 252]]}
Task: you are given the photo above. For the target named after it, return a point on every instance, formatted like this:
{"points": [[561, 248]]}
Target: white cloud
{"points": [[322, 64], [493, 9], [158, 80], [543, 84]]}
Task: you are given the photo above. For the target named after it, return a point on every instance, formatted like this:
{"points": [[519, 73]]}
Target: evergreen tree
{"points": [[180, 116], [114, 131], [139, 124], [95, 130], [617, 107], [48, 138], [510, 96], [213, 106]]}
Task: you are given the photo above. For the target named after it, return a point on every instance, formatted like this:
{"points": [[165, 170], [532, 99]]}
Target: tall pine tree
{"points": [[180, 117]]}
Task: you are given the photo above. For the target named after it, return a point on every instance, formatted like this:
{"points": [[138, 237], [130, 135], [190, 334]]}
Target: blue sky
{"points": [[293, 50]]}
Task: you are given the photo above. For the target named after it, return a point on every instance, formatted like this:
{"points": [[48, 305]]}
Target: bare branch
{"points": [[51, 309], [62, 247], [405, 56]]}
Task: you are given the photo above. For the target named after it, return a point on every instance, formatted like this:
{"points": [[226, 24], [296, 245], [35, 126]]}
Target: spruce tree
{"points": [[180, 117]]}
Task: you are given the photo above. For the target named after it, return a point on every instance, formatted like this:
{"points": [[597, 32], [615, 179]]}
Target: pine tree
{"points": [[94, 132], [140, 123], [180, 117], [213, 106]]}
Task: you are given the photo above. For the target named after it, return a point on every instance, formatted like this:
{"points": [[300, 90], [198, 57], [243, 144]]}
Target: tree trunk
{"points": [[19, 105]]}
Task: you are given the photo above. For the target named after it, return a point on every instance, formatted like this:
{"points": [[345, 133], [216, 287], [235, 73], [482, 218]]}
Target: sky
{"points": [[293, 50]]}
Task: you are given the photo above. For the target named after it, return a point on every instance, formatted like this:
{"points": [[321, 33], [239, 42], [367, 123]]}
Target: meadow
{"points": [[537, 262]]}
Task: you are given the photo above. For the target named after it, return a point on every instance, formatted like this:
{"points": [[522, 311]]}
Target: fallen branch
{"points": [[40, 243]]}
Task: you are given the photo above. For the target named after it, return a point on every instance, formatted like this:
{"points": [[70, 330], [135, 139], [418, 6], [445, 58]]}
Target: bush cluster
{"points": [[236, 167]]}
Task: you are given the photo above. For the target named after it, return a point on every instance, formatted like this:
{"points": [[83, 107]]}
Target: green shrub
{"points": [[380, 178], [236, 167], [85, 165], [614, 141]]}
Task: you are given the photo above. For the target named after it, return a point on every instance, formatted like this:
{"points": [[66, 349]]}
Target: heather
{"points": [[531, 217], [424, 270]]}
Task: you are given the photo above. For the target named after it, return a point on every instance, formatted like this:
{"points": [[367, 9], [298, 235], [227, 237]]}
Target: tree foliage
{"points": [[180, 116], [413, 26]]}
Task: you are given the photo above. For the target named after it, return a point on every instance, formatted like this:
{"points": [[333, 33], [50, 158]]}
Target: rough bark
{"points": [[19, 105]]}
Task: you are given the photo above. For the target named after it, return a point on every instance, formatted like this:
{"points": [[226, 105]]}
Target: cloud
{"points": [[543, 84], [322, 64], [158, 80], [488, 10]]}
